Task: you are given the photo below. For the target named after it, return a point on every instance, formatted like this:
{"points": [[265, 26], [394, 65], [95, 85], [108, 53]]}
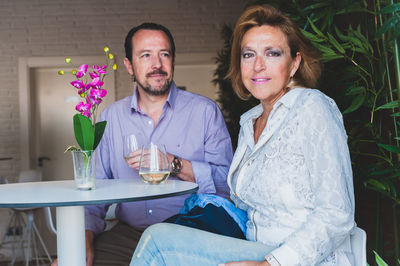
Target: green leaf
{"points": [[355, 90], [84, 132], [335, 43], [355, 104], [390, 9], [395, 114], [393, 189], [389, 105], [387, 25], [315, 29], [390, 148], [98, 132], [375, 183], [379, 260]]}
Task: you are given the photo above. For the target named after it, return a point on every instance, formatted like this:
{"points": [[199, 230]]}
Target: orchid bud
{"points": [[74, 72], [106, 49], [114, 67], [110, 56], [61, 72], [67, 60], [82, 95]]}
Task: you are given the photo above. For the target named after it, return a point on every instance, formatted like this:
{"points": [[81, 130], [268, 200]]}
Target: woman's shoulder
{"points": [[317, 106], [315, 99]]}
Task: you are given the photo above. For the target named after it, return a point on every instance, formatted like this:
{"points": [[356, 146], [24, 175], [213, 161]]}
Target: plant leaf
{"points": [[355, 90], [389, 105], [390, 148], [390, 9], [84, 132], [315, 29], [98, 132], [375, 183], [355, 104], [387, 25], [379, 260], [335, 43]]}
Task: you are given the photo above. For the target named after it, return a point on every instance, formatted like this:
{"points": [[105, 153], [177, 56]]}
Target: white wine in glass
{"points": [[154, 166]]}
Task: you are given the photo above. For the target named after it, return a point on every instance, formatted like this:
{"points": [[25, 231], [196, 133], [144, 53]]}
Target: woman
{"points": [[291, 171]]}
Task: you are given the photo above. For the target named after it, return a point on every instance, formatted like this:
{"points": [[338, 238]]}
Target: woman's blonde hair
{"points": [[310, 67]]}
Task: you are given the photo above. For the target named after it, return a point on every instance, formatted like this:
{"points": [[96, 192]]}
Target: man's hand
{"points": [[245, 263], [186, 173], [89, 235], [134, 159]]}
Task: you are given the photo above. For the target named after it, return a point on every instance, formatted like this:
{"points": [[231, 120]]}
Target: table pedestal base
{"points": [[71, 249]]}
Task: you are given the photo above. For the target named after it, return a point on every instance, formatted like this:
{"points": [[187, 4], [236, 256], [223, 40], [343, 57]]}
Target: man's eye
{"points": [[165, 54], [145, 55]]}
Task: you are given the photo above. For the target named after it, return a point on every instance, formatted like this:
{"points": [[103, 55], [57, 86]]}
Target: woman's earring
{"points": [[290, 84]]}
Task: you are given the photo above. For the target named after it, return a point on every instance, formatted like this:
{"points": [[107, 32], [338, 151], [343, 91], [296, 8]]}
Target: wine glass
{"points": [[154, 166], [130, 145]]}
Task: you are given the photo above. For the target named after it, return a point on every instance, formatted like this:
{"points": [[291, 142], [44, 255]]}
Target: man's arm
{"points": [[211, 173]]}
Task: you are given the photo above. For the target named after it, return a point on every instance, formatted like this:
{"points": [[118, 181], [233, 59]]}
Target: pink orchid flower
{"points": [[80, 86], [82, 70], [95, 84], [100, 69], [96, 95], [93, 75], [84, 108]]}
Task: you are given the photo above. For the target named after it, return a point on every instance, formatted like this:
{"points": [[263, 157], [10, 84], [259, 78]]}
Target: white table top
{"points": [[63, 193]]}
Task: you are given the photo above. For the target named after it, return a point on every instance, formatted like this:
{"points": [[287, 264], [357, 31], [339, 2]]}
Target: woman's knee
{"points": [[158, 229]]}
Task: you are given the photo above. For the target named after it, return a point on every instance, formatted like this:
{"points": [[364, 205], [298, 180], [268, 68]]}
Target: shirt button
{"points": [[150, 212], [150, 122]]}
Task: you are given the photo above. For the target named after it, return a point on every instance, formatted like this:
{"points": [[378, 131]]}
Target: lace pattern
{"points": [[296, 182]]}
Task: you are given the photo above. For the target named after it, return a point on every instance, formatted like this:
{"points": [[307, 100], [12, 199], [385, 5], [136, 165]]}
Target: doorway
{"points": [[48, 103]]}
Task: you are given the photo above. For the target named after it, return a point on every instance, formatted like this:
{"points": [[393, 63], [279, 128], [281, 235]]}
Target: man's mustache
{"points": [[157, 72]]}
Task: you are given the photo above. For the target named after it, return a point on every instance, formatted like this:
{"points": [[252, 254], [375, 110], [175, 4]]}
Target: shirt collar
{"points": [[172, 94], [287, 100]]}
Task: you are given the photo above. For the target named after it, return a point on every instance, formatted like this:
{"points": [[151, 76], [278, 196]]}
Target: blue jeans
{"points": [[174, 245]]}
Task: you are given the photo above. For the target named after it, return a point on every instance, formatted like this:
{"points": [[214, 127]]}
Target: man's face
{"points": [[152, 61]]}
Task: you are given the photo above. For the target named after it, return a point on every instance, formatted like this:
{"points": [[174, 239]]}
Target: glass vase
{"points": [[84, 169]]}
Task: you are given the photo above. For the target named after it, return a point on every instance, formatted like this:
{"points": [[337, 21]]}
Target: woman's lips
{"points": [[257, 80]]}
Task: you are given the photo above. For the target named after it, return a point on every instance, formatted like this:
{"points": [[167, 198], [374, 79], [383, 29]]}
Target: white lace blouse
{"points": [[296, 182]]}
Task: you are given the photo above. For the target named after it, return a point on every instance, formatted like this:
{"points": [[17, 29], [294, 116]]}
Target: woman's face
{"points": [[266, 65]]}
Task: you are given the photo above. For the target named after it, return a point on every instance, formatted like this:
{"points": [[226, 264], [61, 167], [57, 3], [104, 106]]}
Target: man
{"points": [[190, 126]]}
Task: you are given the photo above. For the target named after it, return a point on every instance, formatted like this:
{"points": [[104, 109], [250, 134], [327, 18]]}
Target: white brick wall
{"points": [[83, 27]]}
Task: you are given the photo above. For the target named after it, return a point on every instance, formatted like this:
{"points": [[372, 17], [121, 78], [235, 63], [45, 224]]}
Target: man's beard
{"points": [[151, 91]]}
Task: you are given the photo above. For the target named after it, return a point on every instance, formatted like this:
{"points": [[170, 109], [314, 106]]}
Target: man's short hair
{"points": [[147, 26]]}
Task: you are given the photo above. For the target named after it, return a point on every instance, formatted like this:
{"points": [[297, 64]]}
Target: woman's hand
{"points": [[245, 263]]}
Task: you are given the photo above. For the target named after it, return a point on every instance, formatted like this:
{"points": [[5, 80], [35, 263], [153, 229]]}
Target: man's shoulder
{"points": [[189, 99], [117, 106]]}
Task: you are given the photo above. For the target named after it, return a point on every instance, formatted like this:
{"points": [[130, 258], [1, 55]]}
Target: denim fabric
{"points": [[175, 245], [201, 200]]}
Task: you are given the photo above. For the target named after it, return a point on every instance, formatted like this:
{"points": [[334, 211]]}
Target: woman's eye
{"points": [[247, 55], [273, 53]]}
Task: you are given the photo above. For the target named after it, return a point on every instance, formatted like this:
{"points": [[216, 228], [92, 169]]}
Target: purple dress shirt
{"points": [[190, 126]]}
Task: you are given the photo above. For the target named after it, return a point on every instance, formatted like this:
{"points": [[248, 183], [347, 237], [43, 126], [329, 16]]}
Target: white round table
{"points": [[70, 203]]}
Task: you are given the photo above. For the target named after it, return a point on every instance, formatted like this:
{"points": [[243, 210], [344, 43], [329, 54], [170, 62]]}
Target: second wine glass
{"points": [[154, 165]]}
